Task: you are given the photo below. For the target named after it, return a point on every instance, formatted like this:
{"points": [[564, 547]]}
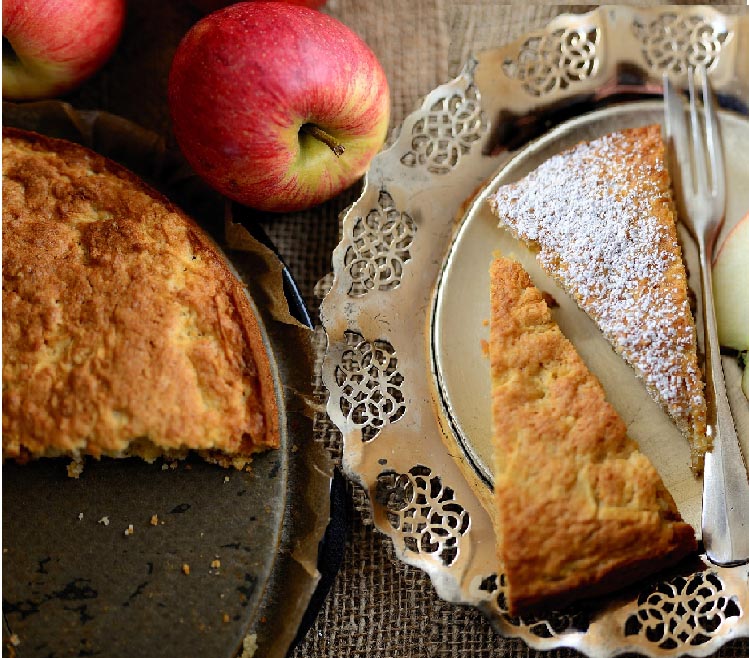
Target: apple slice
{"points": [[731, 288]]}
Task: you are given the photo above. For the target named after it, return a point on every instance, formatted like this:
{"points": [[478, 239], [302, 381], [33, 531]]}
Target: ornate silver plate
{"points": [[408, 382]]}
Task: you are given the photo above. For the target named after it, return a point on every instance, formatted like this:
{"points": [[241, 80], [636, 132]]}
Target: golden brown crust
{"points": [[123, 328], [580, 511], [601, 217]]}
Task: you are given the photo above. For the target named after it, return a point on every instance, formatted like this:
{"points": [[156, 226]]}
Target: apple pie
{"points": [[580, 511], [601, 218], [124, 330]]}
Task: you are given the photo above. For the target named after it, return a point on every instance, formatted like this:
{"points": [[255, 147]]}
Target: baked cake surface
{"points": [[601, 218], [124, 331], [580, 511]]}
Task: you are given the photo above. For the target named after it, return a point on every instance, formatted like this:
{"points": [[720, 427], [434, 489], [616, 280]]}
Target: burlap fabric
{"points": [[377, 606]]}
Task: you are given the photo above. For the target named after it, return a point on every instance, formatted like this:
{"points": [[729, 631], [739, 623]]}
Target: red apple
{"points": [[213, 5], [277, 106], [56, 44]]}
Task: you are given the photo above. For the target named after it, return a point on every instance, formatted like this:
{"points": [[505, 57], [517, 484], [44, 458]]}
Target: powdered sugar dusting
{"points": [[596, 213]]}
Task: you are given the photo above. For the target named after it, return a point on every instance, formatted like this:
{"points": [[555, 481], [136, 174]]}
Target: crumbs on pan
{"points": [[154, 519], [104, 520], [129, 530], [75, 468], [249, 646], [80, 516], [185, 568]]}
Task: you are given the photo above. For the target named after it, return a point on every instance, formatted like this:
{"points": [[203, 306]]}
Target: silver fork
{"points": [[725, 496]]}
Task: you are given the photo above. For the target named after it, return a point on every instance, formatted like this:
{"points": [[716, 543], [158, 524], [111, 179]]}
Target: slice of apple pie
{"points": [[601, 218], [124, 331], [580, 511]]}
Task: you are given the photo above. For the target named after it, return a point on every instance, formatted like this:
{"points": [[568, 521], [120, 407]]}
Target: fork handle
{"points": [[725, 497]]}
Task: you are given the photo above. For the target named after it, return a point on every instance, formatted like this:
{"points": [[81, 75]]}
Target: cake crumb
{"points": [[225, 618], [173, 466], [75, 468], [104, 520], [80, 516], [165, 467], [249, 646], [185, 568], [226, 478], [484, 347], [485, 322], [14, 639], [129, 530], [154, 519], [216, 564]]}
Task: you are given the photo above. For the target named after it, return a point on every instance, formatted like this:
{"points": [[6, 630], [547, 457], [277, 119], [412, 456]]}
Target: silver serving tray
{"points": [[408, 382]]}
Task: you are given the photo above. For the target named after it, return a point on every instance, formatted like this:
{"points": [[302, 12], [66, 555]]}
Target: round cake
{"points": [[124, 330]]}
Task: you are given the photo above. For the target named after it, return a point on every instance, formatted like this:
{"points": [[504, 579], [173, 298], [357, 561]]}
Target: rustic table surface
{"points": [[376, 606]]}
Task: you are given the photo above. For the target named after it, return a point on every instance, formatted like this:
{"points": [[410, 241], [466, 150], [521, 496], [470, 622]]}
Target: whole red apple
{"points": [[51, 46], [277, 106]]}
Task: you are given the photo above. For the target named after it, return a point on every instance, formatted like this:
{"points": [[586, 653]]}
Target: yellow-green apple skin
{"points": [[248, 82], [56, 44], [731, 288]]}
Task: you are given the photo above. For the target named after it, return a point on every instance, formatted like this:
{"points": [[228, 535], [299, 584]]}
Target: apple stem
{"points": [[326, 138]]}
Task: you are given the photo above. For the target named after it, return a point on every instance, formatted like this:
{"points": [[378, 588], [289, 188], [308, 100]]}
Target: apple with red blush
{"points": [[52, 46], [277, 106]]}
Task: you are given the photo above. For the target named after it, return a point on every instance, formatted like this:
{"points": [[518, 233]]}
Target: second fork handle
{"points": [[725, 497]]}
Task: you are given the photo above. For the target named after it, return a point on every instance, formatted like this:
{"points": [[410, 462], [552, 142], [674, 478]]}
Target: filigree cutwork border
{"points": [[672, 43], [554, 61], [683, 612], [370, 384], [380, 247], [423, 512], [446, 132], [577, 620]]}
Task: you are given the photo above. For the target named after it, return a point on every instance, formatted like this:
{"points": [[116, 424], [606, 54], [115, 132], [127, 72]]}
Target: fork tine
{"points": [[698, 143], [676, 131], [713, 139]]}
